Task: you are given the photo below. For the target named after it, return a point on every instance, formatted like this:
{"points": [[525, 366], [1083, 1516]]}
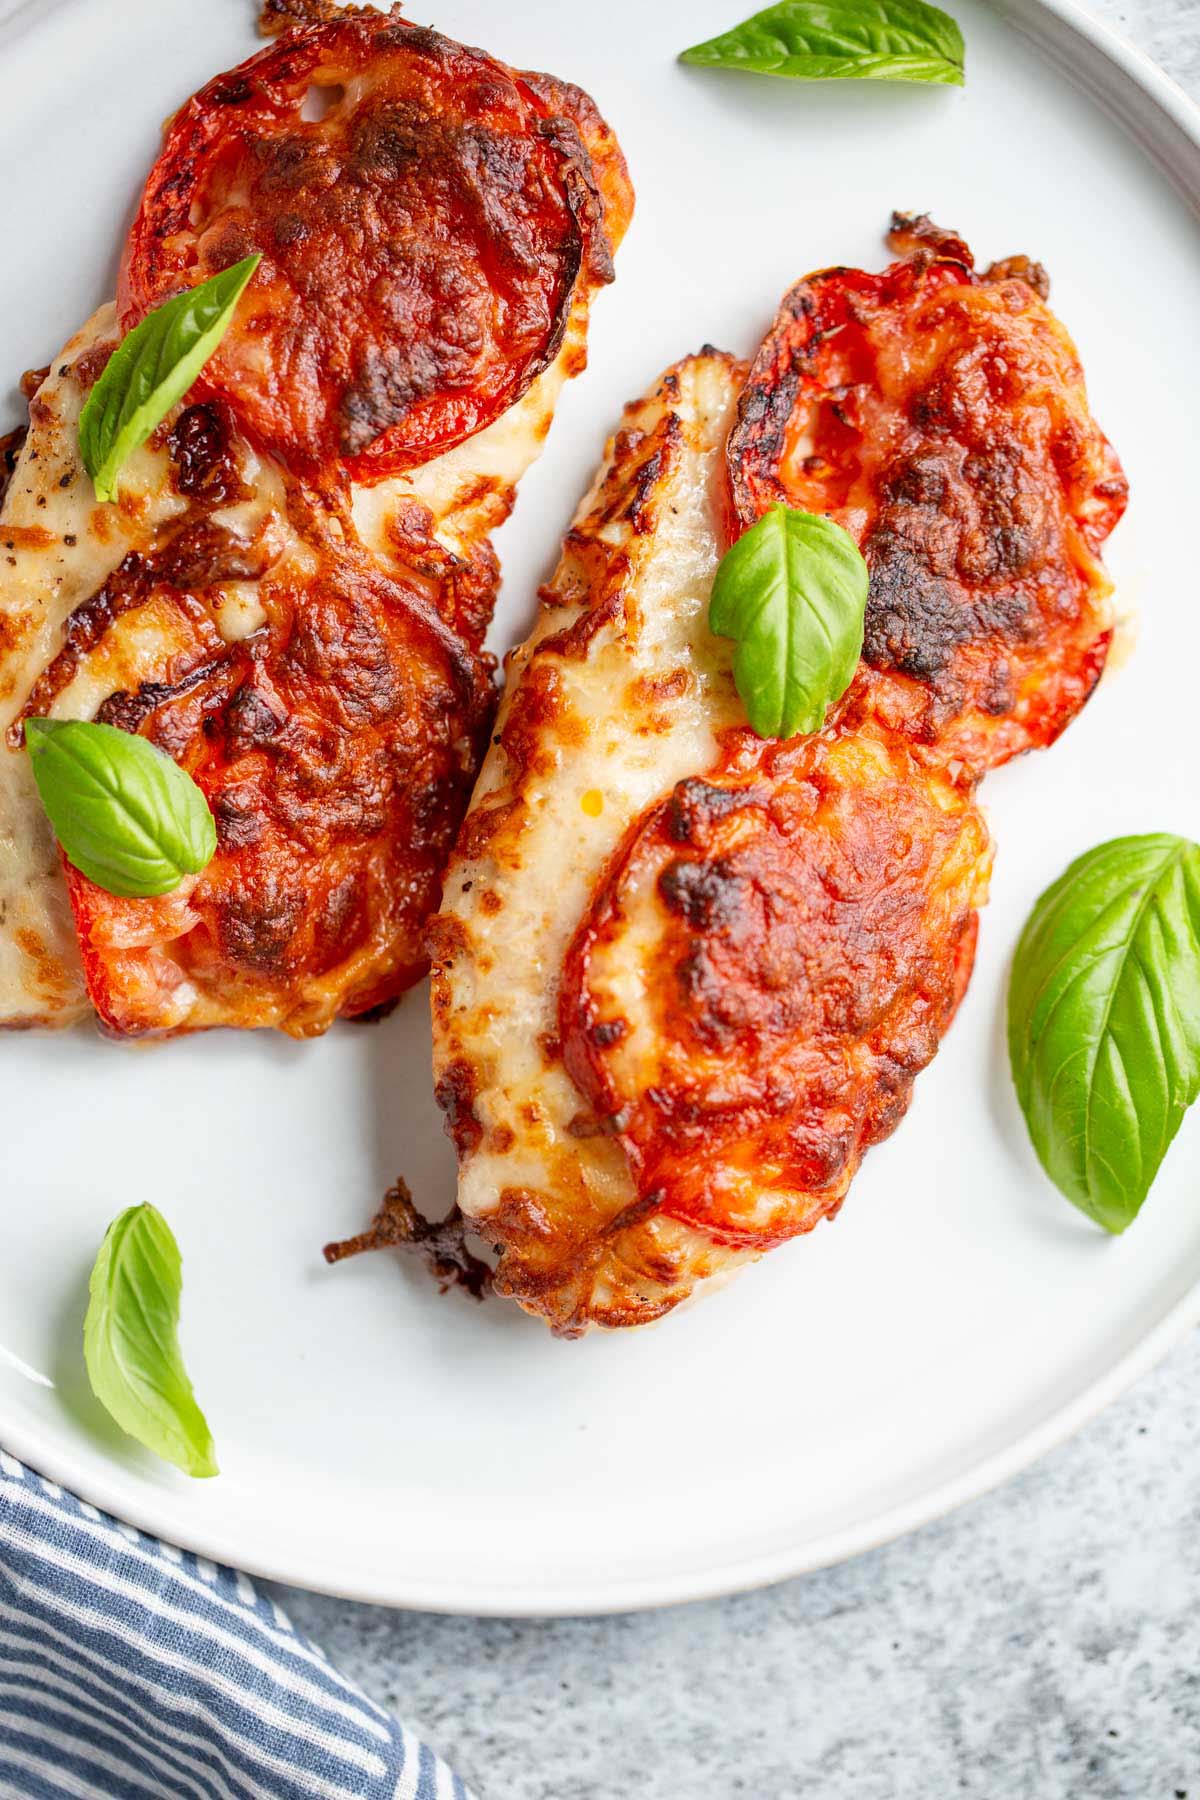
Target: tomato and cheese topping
{"points": [[291, 593], [736, 954]]}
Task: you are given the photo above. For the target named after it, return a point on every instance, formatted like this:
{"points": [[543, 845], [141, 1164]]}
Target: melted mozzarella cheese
{"points": [[602, 716]]}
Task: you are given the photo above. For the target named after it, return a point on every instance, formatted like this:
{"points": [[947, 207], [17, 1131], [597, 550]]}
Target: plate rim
{"points": [[1051, 23]]}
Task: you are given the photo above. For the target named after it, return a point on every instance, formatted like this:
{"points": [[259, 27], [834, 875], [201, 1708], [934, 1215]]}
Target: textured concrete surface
{"points": [[1042, 1644]]}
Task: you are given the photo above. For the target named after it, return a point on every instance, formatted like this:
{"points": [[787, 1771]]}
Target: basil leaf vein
{"points": [[127, 816], [131, 1342], [1104, 1020], [792, 591], [827, 40], [152, 368]]}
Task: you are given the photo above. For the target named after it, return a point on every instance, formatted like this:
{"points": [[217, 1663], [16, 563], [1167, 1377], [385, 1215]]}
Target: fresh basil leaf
{"points": [[131, 1343], [1104, 1019], [153, 368], [834, 40], [792, 591], [126, 815]]}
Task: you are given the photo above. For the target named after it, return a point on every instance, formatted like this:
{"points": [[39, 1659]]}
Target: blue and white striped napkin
{"points": [[133, 1671]]}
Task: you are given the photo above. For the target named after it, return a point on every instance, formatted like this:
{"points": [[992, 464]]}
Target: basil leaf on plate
{"points": [[1104, 1019], [126, 815], [153, 368], [793, 592], [131, 1343], [834, 40]]}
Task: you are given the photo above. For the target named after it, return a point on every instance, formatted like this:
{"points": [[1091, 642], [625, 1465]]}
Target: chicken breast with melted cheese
{"points": [[291, 594], [684, 977], [620, 693]]}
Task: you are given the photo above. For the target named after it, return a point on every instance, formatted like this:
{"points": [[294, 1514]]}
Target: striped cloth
{"points": [[133, 1671]]}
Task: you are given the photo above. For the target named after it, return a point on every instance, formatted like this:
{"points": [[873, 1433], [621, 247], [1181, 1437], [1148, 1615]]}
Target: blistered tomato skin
{"points": [[421, 240]]}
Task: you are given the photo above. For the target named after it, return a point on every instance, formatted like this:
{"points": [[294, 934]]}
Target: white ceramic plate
{"points": [[377, 1440]]}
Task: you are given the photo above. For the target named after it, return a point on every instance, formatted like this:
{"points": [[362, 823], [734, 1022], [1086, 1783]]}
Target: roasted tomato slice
{"points": [[771, 959], [941, 417], [421, 239], [336, 745]]}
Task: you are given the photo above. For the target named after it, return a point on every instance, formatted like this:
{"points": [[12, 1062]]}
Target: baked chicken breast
{"points": [[291, 595], [683, 976]]}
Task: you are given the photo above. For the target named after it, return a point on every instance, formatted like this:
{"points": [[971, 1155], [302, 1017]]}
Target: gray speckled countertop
{"points": [[1042, 1644]]}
